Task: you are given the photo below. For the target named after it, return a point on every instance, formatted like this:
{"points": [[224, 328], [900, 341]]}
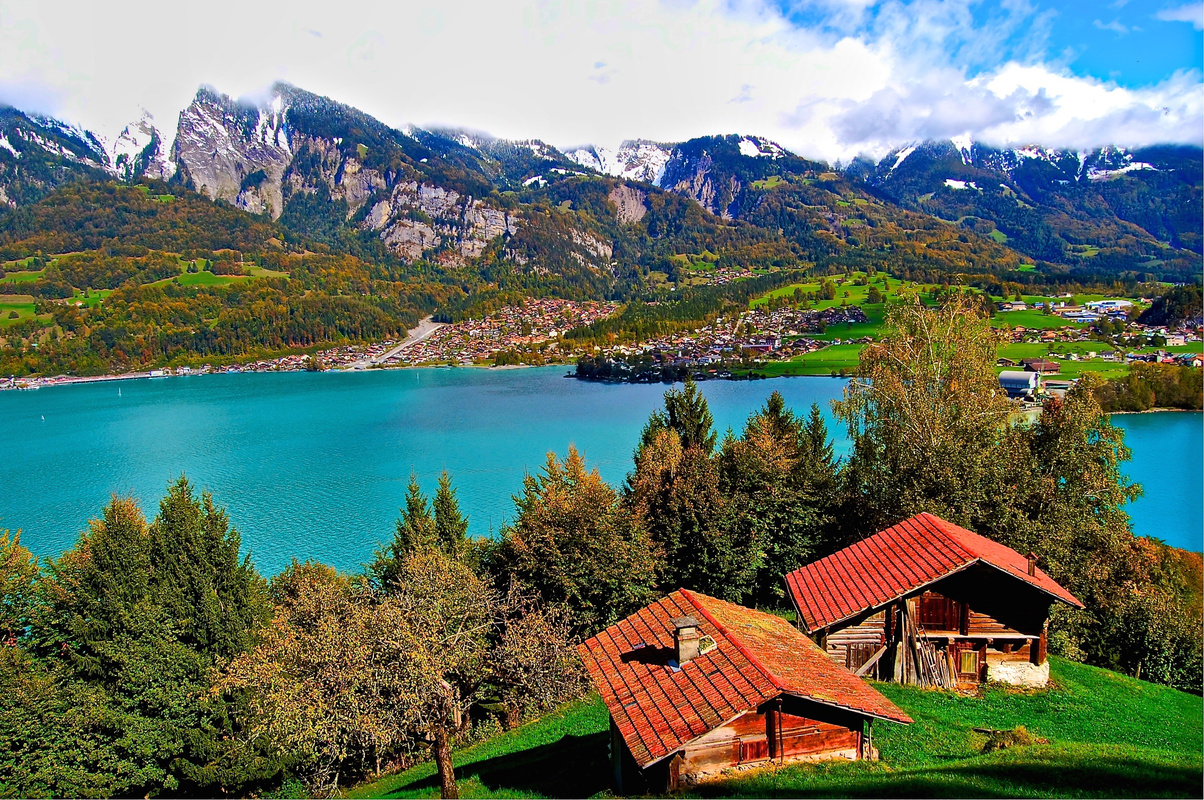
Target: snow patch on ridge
{"points": [[964, 145], [749, 148], [634, 159], [1095, 174], [904, 153]]}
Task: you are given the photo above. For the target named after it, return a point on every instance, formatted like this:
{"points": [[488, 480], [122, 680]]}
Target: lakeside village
{"points": [[714, 350], [532, 333]]}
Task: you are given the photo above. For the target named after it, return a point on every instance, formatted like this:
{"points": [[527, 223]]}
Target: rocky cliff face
{"points": [[306, 150], [234, 152], [716, 170], [419, 218], [629, 202]]}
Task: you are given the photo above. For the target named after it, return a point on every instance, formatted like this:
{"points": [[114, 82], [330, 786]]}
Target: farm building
{"points": [[930, 603], [696, 685], [1020, 384], [1041, 366]]}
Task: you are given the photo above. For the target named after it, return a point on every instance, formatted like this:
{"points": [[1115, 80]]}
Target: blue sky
{"points": [[1126, 43], [826, 78], [1130, 42]]}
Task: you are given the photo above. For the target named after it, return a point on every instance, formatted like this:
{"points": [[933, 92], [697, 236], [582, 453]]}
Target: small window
{"points": [[969, 662], [705, 645]]}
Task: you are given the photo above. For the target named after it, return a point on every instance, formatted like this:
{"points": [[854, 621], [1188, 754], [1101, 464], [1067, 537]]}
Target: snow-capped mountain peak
{"points": [[634, 159], [139, 150]]}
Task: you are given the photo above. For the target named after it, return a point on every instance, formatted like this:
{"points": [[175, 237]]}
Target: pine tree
{"points": [[198, 576], [451, 528], [415, 530], [133, 620], [687, 413]]}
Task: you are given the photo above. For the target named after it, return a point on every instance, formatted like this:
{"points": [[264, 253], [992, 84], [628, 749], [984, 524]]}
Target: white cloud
{"points": [[1188, 12], [874, 75], [1115, 25]]}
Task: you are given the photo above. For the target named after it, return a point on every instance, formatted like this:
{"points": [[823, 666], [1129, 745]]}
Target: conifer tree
{"points": [[126, 622], [451, 528], [576, 545], [687, 413], [18, 573], [415, 530], [198, 577]]}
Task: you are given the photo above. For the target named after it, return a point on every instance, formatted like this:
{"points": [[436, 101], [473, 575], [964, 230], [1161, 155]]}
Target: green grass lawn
{"points": [[202, 278], [563, 754], [1109, 736], [1073, 369], [857, 294], [264, 272], [93, 298], [21, 276], [21, 303], [1033, 319], [821, 362], [1105, 369], [768, 183]]}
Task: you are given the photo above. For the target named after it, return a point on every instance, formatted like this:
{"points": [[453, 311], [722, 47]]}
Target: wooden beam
{"points": [[864, 668]]}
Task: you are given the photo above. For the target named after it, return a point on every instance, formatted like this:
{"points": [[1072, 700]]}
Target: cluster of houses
{"points": [[781, 333], [696, 686], [1088, 312], [342, 357], [716, 276], [535, 322], [1032, 376]]}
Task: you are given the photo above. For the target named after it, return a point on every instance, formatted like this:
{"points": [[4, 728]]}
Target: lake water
{"points": [[315, 465]]}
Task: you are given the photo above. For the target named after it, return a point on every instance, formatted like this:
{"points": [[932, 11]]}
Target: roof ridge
{"points": [[773, 679]]}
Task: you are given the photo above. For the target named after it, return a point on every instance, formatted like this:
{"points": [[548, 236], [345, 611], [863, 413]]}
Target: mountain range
{"points": [[462, 199]]}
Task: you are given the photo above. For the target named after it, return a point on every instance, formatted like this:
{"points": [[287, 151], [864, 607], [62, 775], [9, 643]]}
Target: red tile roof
{"points": [[896, 562], [658, 708]]}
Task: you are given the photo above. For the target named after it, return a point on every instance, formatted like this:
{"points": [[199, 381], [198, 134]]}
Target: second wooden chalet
{"points": [[696, 685], [928, 602]]}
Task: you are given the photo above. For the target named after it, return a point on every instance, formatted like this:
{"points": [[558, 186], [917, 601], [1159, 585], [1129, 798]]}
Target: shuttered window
{"points": [[752, 750]]}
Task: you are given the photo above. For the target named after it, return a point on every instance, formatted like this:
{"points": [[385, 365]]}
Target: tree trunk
{"points": [[443, 761]]}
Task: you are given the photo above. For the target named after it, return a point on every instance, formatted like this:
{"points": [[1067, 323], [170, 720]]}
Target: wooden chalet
{"points": [[1041, 366], [930, 603], [696, 685]]}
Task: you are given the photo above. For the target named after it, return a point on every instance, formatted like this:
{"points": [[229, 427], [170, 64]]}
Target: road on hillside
{"points": [[425, 328]]}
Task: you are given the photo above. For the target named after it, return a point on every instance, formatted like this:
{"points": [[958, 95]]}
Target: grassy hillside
{"points": [[1109, 736]]}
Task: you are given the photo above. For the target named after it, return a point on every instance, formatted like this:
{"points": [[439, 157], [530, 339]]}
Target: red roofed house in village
{"points": [[930, 603], [696, 685]]}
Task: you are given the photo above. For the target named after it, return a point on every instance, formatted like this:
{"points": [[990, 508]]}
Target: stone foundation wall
{"points": [[1016, 672]]}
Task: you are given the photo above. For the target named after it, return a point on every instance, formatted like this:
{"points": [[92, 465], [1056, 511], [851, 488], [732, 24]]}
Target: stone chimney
{"points": [[685, 639], [1032, 563]]}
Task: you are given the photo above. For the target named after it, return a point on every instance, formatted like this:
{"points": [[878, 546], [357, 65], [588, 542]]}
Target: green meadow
{"points": [[19, 304], [1105, 735], [838, 357]]}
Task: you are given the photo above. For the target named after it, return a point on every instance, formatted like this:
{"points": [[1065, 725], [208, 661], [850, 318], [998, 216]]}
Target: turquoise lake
{"points": [[315, 465]]}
